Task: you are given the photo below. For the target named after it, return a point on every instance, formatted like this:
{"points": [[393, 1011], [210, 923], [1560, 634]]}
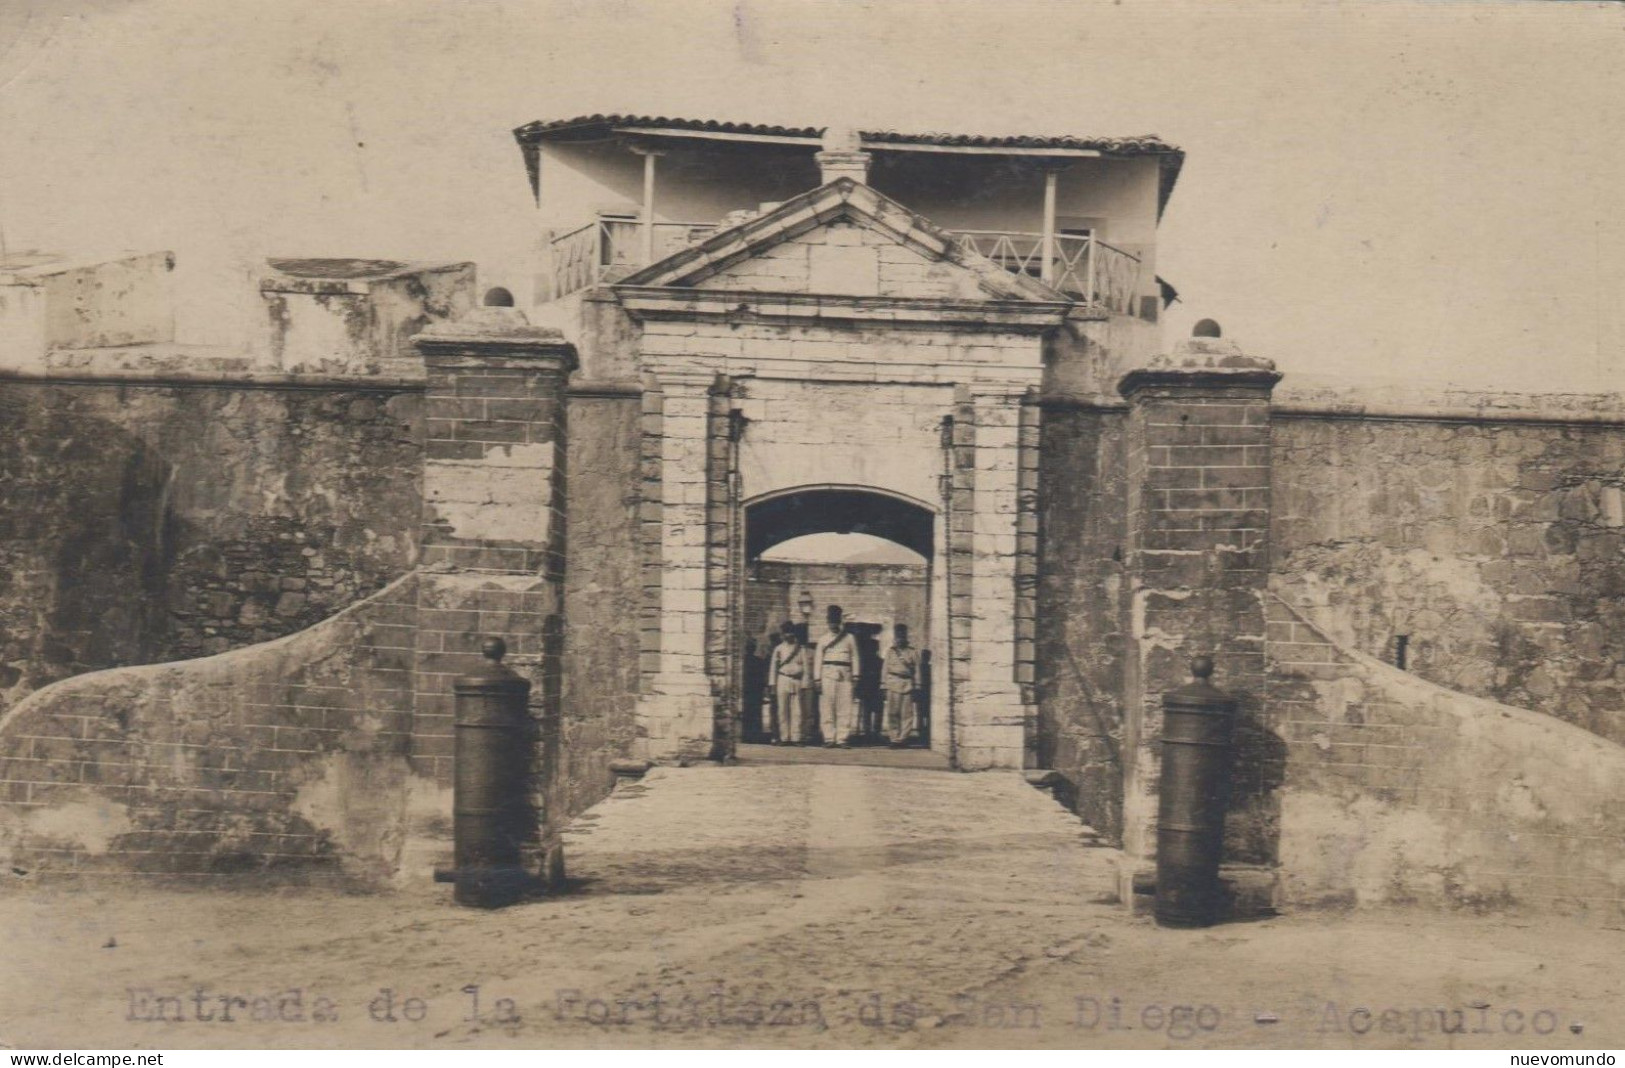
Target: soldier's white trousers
{"points": [[788, 701], [902, 715], [836, 710]]}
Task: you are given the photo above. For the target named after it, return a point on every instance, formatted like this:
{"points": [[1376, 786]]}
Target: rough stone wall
{"points": [[1080, 641], [1398, 791], [1496, 548], [154, 522], [603, 582], [287, 757]]}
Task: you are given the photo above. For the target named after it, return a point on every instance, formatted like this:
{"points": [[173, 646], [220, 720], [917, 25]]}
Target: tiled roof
{"points": [[1115, 146], [591, 127], [551, 129], [560, 129]]}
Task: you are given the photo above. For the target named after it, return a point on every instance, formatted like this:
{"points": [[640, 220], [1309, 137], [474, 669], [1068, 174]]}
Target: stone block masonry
{"points": [[994, 687], [493, 508], [677, 708], [1196, 560]]}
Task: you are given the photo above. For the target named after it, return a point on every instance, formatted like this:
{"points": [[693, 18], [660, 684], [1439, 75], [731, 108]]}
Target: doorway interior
{"points": [[870, 552]]}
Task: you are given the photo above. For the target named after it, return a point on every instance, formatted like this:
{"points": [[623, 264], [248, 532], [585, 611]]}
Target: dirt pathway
{"points": [[788, 906]]}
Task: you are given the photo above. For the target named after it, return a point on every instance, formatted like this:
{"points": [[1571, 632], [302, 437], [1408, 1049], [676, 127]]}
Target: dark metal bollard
{"points": [[491, 815], [1198, 720]]}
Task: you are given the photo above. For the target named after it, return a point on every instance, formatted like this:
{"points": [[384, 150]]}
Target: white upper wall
{"points": [[701, 181], [695, 182]]}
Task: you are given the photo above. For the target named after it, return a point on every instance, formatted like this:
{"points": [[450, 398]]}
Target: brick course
{"points": [[1396, 791], [1194, 584], [286, 758]]}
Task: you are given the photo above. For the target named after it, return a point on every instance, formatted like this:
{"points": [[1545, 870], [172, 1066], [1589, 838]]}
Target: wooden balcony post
{"points": [[1089, 274], [1046, 269], [648, 208]]}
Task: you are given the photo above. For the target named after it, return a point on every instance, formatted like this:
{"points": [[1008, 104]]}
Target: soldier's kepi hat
{"points": [[835, 614]]}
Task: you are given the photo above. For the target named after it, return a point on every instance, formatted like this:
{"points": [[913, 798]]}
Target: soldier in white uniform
{"points": [[835, 670], [900, 681], [789, 674]]}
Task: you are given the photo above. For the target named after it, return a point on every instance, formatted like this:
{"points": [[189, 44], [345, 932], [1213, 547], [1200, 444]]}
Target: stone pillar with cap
{"points": [[1196, 556], [842, 156], [492, 549]]}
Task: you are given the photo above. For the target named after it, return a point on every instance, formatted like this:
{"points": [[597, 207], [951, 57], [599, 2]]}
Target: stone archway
{"points": [[875, 595], [713, 442]]}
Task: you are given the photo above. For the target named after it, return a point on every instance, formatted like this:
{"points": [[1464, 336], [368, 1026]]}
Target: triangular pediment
{"points": [[844, 239]]}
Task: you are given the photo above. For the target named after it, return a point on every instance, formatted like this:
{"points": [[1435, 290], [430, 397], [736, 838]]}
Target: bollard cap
{"points": [[492, 674], [1199, 693]]}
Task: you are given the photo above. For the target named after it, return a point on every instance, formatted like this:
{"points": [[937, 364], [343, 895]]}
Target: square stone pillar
{"points": [[675, 710], [995, 714], [493, 512], [1197, 554]]}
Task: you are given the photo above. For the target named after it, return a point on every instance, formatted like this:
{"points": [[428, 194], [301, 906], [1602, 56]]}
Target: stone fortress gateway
{"points": [[827, 358], [241, 582]]}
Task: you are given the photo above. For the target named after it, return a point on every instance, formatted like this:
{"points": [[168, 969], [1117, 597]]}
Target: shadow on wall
{"points": [[86, 542], [1252, 831]]}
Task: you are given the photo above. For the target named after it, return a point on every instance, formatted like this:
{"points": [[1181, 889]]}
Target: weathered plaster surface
{"points": [[60, 304], [357, 316], [289, 757], [1399, 791]]}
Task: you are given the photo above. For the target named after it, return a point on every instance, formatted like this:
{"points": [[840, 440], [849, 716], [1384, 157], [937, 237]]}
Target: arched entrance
{"points": [[870, 551]]}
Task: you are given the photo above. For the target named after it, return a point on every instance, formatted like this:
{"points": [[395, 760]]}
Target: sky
{"points": [[1375, 191], [847, 548]]}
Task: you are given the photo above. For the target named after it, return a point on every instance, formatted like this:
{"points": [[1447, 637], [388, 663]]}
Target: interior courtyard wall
{"points": [[883, 594]]}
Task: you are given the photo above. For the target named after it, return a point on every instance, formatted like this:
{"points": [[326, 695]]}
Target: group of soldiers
{"points": [[828, 673]]}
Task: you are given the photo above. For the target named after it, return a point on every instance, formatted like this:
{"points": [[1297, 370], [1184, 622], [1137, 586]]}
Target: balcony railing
{"points": [[608, 250], [1083, 266]]}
